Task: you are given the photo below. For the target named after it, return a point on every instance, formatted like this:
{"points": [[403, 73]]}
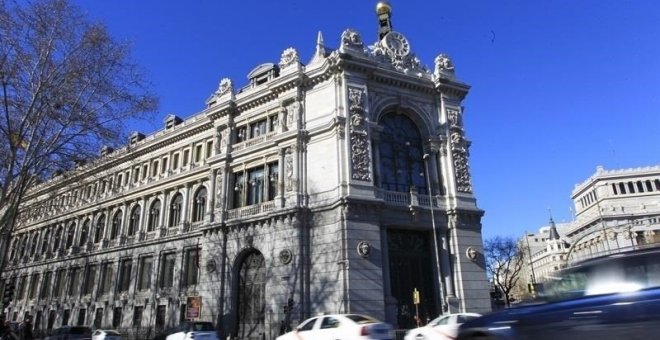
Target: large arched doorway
{"points": [[250, 298]]}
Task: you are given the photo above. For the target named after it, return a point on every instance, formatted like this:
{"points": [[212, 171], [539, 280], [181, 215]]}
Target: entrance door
{"points": [[411, 267], [251, 300]]}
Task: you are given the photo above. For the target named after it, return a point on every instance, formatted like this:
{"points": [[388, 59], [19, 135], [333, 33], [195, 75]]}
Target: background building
{"points": [[339, 185], [615, 210]]}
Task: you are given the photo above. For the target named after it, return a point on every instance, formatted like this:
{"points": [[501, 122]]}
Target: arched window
{"points": [[154, 215], [134, 222], [44, 244], [199, 206], [71, 235], [401, 155], [58, 239], [175, 210], [12, 253], [100, 228], [116, 225], [84, 233]]}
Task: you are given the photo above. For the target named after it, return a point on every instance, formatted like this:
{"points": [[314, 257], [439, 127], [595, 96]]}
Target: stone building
{"points": [[318, 187]]}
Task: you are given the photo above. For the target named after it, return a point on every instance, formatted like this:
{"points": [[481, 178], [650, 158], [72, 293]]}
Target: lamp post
{"points": [[435, 235]]}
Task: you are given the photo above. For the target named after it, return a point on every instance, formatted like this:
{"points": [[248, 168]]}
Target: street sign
{"points": [[193, 307], [416, 296]]}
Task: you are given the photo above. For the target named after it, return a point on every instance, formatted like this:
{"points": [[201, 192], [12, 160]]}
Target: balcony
{"points": [[251, 210], [409, 199], [253, 141]]}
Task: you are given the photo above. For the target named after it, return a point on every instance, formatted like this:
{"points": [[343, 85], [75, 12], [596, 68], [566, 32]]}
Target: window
{"points": [[134, 222], [136, 175], [401, 155], [175, 211], [329, 322], [186, 156], [74, 281], [191, 267], [649, 187], [65, 317], [81, 316], [100, 228], [84, 232], [116, 225], [198, 153], [107, 273], [44, 243], [154, 169], [119, 180], [90, 279], [209, 149], [622, 188], [146, 268], [640, 187], [164, 165], [199, 205], [98, 318], [154, 216], [125, 275], [657, 184], [145, 171], [254, 187], [307, 326], [70, 236], [614, 189], [241, 134], [58, 289], [58, 239], [21, 288], [45, 286], [631, 187], [34, 286], [116, 317], [166, 279], [33, 246], [175, 162], [137, 316], [273, 177], [160, 317]]}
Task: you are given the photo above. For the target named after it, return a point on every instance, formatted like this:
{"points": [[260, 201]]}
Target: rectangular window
{"points": [[154, 169], [81, 317], [209, 149], [65, 317], [166, 279], [146, 268], [107, 272], [125, 275], [127, 175], [164, 166], [45, 286], [186, 156], [175, 162], [145, 171], [272, 123], [98, 318], [160, 317], [21, 288], [116, 317], [273, 177], [239, 189], [136, 175], [90, 279], [137, 316], [34, 286], [74, 282], [58, 289], [241, 134], [198, 153], [191, 266]]}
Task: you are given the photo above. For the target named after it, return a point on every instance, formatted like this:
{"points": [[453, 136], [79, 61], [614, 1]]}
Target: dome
{"points": [[383, 7]]}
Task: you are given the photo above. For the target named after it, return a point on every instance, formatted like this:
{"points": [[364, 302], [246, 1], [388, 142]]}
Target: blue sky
{"points": [[558, 87]]}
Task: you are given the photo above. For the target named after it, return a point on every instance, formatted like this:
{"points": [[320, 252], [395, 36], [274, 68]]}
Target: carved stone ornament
{"points": [[351, 39], [210, 266], [395, 48], [224, 87], [443, 65], [218, 190], [364, 249], [288, 167], [286, 256], [355, 97], [289, 57], [471, 254], [462, 171], [454, 118], [360, 158]]}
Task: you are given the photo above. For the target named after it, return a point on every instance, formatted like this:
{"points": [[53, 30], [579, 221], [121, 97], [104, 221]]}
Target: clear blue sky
{"points": [[558, 87]]}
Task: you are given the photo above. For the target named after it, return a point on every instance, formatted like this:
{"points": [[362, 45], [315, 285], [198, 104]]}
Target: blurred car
{"points": [[340, 326], [611, 297], [71, 333], [188, 330], [106, 334], [444, 327]]}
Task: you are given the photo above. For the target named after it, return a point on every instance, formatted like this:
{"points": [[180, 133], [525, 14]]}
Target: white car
{"points": [[444, 327], [188, 330], [106, 334], [340, 326]]}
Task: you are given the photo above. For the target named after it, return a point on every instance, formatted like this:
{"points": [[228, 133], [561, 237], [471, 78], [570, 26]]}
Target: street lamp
{"points": [[435, 236]]}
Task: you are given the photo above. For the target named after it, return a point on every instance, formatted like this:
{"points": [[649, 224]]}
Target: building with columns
{"points": [[615, 210], [335, 186]]}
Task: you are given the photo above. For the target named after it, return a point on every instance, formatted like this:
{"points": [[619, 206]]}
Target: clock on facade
{"points": [[396, 44]]}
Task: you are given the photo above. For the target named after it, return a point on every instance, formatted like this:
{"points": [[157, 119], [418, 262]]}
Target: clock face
{"points": [[396, 44]]}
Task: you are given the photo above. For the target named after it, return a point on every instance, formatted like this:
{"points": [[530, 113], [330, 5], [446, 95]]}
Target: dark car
{"points": [[611, 297], [71, 333]]}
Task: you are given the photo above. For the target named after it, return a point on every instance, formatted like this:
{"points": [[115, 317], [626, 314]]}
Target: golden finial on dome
{"points": [[383, 7]]}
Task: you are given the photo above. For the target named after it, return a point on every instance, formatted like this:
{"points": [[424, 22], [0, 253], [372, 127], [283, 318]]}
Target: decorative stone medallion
{"points": [[286, 256], [471, 254], [210, 266], [364, 248]]}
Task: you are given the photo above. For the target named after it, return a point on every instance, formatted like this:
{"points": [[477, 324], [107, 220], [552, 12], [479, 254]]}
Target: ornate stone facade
{"points": [[276, 191]]}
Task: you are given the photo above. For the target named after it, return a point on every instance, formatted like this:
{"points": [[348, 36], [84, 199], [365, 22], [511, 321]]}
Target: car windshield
{"points": [[360, 319]]}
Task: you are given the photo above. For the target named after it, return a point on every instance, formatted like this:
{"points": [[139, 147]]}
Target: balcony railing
{"points": [[406, 199], [251, 210], [253, 141]]}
